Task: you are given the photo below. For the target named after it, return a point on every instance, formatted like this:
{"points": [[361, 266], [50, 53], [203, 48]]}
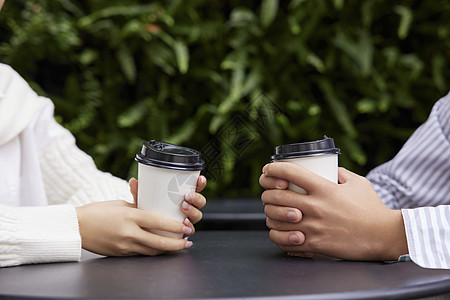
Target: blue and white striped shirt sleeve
{"points": [[417, 181]]}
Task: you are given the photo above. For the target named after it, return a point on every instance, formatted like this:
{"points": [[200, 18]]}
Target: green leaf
{"points": [[183, 133], [406, 19], [366, 105], [127, 63], [268, 12], [338, 4], [133, 115], [354, 150], [182, 56], [114, 11], [241, 17], [316, 62], [360, 50], [413, 64], [162, 56], [438, 69], [88, 56]]}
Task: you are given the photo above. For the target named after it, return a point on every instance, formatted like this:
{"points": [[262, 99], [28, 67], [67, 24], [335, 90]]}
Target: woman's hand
{"points": [[346, 220], [191, 205], [116, 228]]}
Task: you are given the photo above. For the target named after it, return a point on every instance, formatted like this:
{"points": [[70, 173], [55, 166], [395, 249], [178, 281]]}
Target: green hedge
{"points": [[233, 78]]}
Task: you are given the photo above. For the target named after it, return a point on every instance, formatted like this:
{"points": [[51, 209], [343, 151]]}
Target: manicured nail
{"points": [[187, 230], [202, 179], [188, 244], [189, 197], [294, 239], [186, 206], [187, 222], [292, 216]]}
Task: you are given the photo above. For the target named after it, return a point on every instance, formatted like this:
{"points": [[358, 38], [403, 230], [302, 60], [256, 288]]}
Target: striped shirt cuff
{"points": [[428, 235]]}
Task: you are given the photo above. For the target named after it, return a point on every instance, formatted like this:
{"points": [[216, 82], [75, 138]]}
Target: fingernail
{"points": [[186, 206], [292, 216], [189, 197], [188, 244], [187, 230], [279, 183], [264, 169], [294, 239], [187, 222], [202, 179]]}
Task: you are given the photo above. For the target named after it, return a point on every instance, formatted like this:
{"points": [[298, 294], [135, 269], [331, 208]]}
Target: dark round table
{"points": [[222, 264]]}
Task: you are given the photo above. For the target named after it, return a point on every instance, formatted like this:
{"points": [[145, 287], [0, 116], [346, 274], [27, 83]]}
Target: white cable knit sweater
{"points": [[43, 176]]}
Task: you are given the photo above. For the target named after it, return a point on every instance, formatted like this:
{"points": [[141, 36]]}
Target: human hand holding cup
{"points": [[166, 173], [319, 157]]}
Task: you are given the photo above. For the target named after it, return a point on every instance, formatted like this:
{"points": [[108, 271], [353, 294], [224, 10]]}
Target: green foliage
{"points": [[233, 78]]}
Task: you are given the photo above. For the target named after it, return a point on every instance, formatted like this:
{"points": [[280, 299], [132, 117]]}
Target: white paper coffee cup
{"points": [[165, 174], [320, 157]]}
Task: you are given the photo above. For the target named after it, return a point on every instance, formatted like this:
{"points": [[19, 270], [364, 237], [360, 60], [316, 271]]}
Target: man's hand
{"points": [[346, 220]]}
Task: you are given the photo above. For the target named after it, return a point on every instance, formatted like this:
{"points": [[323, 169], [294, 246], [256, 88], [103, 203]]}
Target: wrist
{"points": [[79, 212], [394, 242]]}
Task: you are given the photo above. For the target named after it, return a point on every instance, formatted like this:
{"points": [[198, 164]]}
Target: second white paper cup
{"points": [[320, 157]]}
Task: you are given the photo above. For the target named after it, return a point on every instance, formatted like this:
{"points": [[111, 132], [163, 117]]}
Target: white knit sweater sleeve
{"points": [[50, 233], [38, 235], [70, 176]]}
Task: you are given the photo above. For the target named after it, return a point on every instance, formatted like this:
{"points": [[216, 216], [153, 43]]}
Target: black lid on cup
{"points": [[168, 156], [297, 150]]}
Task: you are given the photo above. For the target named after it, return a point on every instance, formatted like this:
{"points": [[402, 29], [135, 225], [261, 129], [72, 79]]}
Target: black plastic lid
{"points": [[319, 147], [168, 156]]}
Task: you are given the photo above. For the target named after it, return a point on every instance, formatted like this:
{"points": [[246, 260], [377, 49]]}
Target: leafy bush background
{"points": [[233, 78]]}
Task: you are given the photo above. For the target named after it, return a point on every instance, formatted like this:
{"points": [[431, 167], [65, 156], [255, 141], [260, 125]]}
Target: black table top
{"points": [[222, 264], [233, 214]]}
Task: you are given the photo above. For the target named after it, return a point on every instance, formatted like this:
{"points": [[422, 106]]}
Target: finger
{"points": [[297, 175], [287, 238], [188, 223], [150, 220], [283, 226], [133, 183], [272, 182], [194, 214], [195, 199], [201, 183], [282, 213], [344, 175], [153, 241], [284, 198]]}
